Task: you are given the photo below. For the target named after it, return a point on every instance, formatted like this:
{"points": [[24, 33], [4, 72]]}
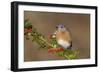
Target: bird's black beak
{"points": [[56, 26]]}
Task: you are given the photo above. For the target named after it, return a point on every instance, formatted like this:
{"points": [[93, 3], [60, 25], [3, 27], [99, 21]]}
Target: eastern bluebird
{"points": [[63, 37]]}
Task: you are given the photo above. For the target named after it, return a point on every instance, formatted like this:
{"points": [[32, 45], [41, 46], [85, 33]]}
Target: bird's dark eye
{"points": [[61, 26]]}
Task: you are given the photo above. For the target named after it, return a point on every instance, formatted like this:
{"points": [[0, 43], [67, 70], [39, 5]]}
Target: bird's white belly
{"points": [[63, 43]]}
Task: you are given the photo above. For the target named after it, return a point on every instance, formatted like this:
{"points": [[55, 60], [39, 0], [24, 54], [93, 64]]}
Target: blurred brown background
{"points": [[45, 22]]}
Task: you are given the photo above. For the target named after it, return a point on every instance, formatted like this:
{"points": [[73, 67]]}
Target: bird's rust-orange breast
{"points": [[63, 35]]}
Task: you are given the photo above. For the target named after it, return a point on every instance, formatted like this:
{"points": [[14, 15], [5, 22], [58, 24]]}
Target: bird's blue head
{"points": [[61, 27]]}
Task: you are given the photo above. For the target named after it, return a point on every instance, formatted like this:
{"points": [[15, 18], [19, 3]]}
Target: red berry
{"points": [[29, 30]]}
